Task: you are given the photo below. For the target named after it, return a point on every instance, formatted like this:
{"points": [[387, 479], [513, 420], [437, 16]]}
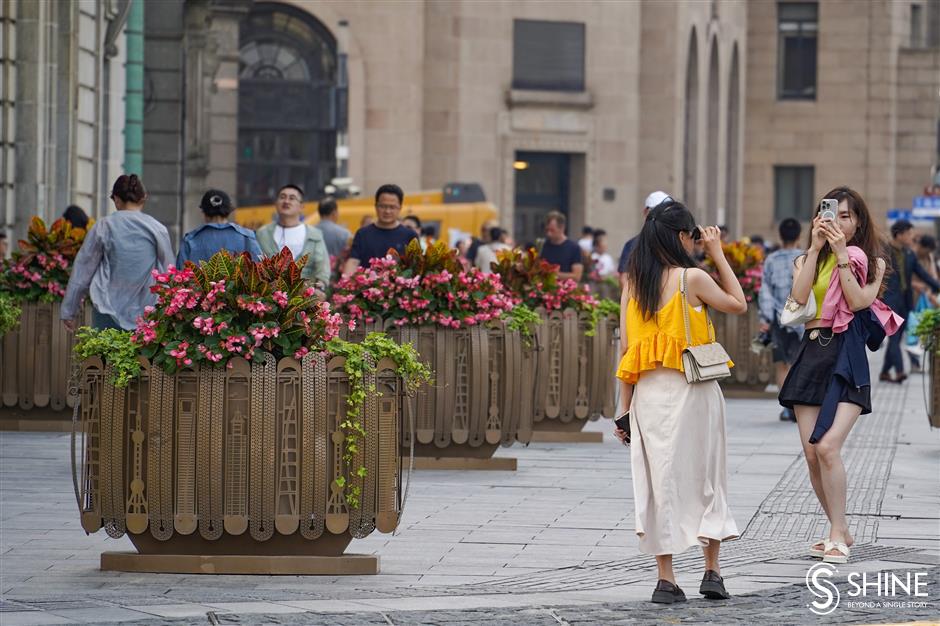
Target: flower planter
{"points": [[35, 364], [933, 394], [752, 372], [482, 398], [576, 380], [235, 470]]}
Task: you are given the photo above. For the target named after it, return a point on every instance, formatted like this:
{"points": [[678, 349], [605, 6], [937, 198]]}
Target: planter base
{"points": [[561, 436], [504, 464], [346, 565], [557, 431], [36, 419]]}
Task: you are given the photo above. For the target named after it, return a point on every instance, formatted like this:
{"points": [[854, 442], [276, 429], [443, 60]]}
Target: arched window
{"points": [[690, 143], [733, 139], [287, 103], [711, 143]]}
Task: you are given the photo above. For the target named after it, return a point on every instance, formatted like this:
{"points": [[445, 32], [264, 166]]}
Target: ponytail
{"points": [[129, 188]]}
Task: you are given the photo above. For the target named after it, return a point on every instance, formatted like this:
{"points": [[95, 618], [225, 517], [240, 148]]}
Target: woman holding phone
{"points": [[842, 271], [677, 429]]}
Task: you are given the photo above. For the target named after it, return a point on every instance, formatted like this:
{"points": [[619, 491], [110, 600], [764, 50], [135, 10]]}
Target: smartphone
{"points": [[623, 423], [828, 208]]}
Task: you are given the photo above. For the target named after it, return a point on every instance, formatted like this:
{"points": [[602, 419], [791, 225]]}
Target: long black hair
{"points": [[658, 248]]}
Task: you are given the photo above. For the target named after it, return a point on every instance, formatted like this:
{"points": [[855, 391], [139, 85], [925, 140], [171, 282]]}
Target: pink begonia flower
{"points": [[301, 352], [280, 297]]}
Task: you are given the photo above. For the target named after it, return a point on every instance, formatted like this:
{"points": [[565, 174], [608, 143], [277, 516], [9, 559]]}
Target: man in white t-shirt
{"points": [[288, 230]]}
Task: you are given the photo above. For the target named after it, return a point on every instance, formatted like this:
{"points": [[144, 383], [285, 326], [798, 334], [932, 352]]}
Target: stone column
{"points": [[211, 145]]}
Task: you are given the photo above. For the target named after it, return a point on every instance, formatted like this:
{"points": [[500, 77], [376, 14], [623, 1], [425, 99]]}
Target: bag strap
{"points": [[685, 312], [685, 307]]}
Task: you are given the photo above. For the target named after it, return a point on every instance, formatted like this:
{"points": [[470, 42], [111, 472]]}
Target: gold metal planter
{"points": [[576, 373], [752, 371], [239, 465], [483, 395], [35, 361]]}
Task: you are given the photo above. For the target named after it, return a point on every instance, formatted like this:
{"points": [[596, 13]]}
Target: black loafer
{"points": [[713, 586], [667, 593]]}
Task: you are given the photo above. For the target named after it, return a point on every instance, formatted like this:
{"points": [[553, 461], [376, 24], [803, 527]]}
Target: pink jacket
{"points": [[835, 310]]}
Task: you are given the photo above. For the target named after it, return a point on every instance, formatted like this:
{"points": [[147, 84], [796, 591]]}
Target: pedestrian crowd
{"points": [[820, 304]]}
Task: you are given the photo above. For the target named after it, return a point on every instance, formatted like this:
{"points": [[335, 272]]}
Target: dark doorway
{"points": [[287, 103], [543, 181]]}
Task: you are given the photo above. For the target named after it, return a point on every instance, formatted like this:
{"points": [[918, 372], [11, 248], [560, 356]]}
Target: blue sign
{"points": [[899, 214], [926, 207]]}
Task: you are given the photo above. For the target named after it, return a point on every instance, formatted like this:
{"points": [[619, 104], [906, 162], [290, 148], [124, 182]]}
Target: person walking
{"points": [[115, 262], [677, 429], [76, 216], [652, 201], [899, 294], [486, 255], [829, 384], [289, 231], [218, 233], [386, 233], [334, 234], [558, 250], [924, 248], [774, 289]]}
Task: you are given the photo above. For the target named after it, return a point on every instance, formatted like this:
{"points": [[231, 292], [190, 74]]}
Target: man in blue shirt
{"points": [[775, 287], [559, 250], [652, 201], [387, 232]]}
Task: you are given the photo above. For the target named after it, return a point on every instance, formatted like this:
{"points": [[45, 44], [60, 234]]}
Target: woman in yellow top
{"points": [[677, 429]]}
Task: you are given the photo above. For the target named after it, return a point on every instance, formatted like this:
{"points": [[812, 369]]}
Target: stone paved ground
{"points": [[551, 543]]}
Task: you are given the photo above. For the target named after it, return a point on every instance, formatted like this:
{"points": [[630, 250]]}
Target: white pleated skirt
{"points": [[677, 452]]}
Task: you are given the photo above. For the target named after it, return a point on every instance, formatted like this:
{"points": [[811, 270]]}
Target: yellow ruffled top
{"points": [[660, 340]]}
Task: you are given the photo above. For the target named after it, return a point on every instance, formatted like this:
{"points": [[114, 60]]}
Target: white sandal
{"points": [[816, 552], [842, 557]]}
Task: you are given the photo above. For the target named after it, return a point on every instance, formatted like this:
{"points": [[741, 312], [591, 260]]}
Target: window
{"points": [[917, 26], [796, 50], [793, 192], [548, 55]]}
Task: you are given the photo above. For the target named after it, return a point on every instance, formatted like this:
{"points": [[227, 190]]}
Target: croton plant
{"points": [[39, 270], [233, 306], [422, 287]]}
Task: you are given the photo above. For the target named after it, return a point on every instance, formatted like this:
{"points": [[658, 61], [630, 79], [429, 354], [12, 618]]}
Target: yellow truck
{"points": [[457, 211]]}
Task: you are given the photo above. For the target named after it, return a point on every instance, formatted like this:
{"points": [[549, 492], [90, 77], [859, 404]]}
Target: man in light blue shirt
{"points": [[774, 290]]}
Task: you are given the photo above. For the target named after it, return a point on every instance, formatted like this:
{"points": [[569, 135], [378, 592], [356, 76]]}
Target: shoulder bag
{"points": [[708, 361], [796, 314]]}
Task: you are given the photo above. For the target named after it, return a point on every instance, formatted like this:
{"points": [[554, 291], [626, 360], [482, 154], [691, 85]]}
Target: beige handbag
{"points": [[796, 314], [708, 361]]}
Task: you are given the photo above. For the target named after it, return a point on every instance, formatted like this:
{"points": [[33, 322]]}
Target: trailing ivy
{"points": [[524, 320], [605, 308], [10, 313], [361, 358], [113, 346], [927, 326]]}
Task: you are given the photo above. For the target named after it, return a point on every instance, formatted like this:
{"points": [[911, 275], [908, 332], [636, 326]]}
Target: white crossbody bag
{"points": [[708, 361]]}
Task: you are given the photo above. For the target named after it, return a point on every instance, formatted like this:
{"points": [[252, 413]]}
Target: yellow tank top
{"points": [[821, 286], [660, 340]]}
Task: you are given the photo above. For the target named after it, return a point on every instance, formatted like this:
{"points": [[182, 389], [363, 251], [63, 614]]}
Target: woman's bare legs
{"points": [[806, 422], [711, 555], [829, 453], [664, 563]]}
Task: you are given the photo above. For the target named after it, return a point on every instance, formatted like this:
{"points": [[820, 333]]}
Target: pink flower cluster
{"points": [[199, 317], [388, 291]]}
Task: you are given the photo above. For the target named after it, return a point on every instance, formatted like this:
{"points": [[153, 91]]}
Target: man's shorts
{"points": [[786, 343]]}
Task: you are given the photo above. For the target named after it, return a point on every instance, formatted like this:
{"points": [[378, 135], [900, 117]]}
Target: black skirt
{"points": [[809, 377]]}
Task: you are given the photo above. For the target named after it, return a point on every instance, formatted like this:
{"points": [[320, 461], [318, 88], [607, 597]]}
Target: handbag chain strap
{"points": [[685, 312]]}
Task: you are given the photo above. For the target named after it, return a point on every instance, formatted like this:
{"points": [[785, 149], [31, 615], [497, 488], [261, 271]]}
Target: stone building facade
{"points": [[62, 109], [867, 117], [583, 107]]}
